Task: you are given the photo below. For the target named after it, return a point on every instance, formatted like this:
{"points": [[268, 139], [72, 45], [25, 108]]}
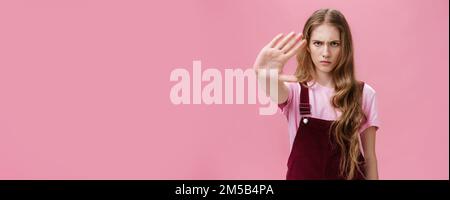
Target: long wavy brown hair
{"points": [[348, 96]]}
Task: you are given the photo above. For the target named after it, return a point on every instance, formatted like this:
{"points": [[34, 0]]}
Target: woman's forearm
{"points": [[371, 169], [368, 143]]}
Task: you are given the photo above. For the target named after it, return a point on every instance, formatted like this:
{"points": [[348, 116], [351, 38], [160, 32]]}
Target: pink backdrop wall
{"points": [[84, 87]]}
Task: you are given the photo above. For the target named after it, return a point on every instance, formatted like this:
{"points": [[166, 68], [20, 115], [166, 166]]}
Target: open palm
{"points": [[276, 54]]}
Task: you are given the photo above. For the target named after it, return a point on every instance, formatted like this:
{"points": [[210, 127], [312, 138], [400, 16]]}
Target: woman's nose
{"points": [[326, 51]]}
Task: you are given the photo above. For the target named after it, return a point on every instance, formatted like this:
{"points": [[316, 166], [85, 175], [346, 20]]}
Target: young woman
{"points": [[332, 117]]}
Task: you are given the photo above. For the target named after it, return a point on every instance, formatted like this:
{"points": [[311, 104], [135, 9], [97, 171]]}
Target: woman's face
{"points": [[325, 47]]}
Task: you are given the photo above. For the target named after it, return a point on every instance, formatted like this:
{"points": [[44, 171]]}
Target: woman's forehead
{"points": [[325, 32]]}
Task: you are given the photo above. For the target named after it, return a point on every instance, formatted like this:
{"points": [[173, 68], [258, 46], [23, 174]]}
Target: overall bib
{"points": [[315, 154]]}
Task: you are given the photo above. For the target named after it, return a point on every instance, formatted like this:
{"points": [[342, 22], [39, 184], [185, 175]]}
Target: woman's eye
{"points": [[334, 44], [317, 43]]}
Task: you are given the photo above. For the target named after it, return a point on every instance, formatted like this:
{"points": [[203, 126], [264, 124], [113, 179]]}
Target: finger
{"points": [[275, 40], [296, 48], [291, 43], [287, 78], [283, 42]]}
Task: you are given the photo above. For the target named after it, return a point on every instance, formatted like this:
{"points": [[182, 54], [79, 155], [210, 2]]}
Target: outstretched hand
{"points": [[276, 54]]}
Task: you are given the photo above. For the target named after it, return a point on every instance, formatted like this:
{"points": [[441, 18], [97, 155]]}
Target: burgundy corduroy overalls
{"points": [[314, 153]]}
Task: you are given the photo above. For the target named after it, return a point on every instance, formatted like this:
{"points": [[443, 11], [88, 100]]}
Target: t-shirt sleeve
{"points": [[370, 108], [287, 105]]}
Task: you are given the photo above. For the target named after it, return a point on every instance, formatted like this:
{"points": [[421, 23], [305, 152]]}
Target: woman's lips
{"points": [[325, 62]]}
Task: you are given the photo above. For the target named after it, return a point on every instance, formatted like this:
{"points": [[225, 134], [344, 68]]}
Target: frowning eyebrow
{"points": [[323, 41]]}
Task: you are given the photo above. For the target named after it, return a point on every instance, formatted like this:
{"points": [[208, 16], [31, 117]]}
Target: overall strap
{"points": [[305, 107], [361, 85]]}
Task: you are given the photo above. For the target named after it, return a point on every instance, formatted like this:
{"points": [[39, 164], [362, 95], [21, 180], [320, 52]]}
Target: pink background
{"points": [[84, 87]]}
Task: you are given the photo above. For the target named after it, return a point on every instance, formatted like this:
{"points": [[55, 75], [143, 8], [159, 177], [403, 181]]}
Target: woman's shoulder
{"points": [[368, 91], [293, 85]]}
